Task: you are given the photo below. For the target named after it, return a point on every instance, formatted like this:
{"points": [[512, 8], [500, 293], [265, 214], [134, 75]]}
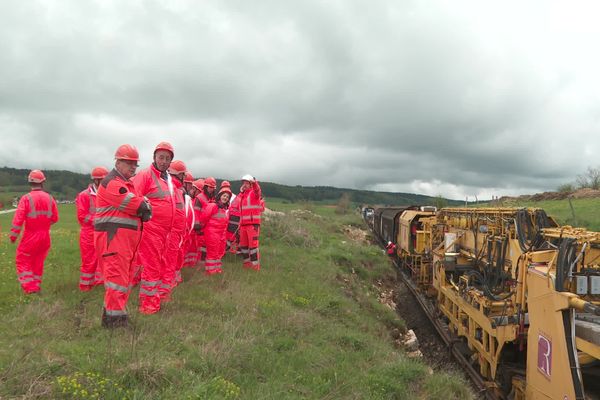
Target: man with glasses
{"points": [[119, 213]]}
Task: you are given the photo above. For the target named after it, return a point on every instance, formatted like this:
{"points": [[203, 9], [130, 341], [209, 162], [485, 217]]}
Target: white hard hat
{"points": [[248, 178]]}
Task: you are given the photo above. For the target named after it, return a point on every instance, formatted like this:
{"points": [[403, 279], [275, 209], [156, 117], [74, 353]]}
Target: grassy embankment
{"points": [[308, 326], [585, 212]]}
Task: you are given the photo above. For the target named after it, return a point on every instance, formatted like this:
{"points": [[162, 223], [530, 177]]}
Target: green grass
{"points": [[308, 326], [586, 211]]}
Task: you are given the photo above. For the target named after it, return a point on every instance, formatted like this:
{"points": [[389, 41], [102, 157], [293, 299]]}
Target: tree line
{"points": [[64, 185]]}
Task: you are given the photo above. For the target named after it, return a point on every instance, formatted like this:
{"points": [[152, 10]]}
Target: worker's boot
{"points": [[110, 321]]}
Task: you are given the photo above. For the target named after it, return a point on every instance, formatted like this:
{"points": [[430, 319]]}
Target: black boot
{"points": [[114, 321]]}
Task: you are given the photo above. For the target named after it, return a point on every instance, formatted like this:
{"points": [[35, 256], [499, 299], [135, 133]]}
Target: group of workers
{"points": [[142, 229]]}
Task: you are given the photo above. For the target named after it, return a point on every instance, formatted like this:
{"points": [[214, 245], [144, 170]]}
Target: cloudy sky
{"points": [[458, 98]]}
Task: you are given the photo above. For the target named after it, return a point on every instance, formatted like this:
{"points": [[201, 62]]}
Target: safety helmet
{"points": [[210, 182], [127, 152], [225, 189], [189, 178], [165, 146], [36, 176], [248, 178], [225, 184], [177, 167], [99, 173], [198, 183]]}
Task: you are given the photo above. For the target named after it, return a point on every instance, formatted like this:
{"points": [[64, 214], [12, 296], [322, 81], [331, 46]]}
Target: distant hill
{"points": [[64, 185]]}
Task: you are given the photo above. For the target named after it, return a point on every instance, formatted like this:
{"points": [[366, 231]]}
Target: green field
{"points": [[308, 326], [585, 212]]}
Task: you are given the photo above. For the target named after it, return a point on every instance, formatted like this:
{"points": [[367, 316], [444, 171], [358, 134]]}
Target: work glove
{"points": [[13, 239], [144, 211]]}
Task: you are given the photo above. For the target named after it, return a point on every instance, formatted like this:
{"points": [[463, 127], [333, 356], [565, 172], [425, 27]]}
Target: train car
{"points": [[518, 296], [414, 242], [368, 213], [383, 223]]}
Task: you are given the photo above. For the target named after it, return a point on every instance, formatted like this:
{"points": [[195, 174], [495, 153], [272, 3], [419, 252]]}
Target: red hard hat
{"points": [[36, 176], [127, 152], [99, 173], [165, 146], [224, 190], [198, 183], [189, 178], [177, 167], [225, 184], [210, 182]]}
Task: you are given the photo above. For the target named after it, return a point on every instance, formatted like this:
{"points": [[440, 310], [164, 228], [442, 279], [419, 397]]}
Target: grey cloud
{"points": [[389, 93]]}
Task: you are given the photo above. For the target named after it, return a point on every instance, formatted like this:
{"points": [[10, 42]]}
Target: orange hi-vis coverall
{"points": [[174, 256], [234, 224], [188, 237], [158, 188], [215, 220], [90, 275], [251, 208], [191, 247], [200, 203], [37, 210], [116, 236]]}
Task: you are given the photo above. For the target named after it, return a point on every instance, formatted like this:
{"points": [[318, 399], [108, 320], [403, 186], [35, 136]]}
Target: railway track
{"points": [[450, 342]]}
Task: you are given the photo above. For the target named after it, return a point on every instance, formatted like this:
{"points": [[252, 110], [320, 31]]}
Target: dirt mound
{"points": [[549, 196], [355, 234], [585, 193]]}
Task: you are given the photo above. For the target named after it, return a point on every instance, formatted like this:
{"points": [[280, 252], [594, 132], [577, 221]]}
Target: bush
{"points": [[566, 188], [343, 205]]}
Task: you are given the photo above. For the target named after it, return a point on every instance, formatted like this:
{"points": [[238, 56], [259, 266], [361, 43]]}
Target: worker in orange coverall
{"points": [[390, 249], [233, 227], [192, 247], [206, 196], [174, 254], [156, 184], [189, 192], [251, 208], [85, 202], [214, 218], [37, 210], [119, 215]]}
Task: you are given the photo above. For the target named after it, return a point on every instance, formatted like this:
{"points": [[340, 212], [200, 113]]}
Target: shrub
{"points": [[566, 188], [343, 205]]}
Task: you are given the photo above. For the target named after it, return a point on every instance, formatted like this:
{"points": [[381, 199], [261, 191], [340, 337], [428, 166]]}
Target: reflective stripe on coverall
{"points": [[116, 237], [173, 256], [233, 228], [37, 210], [215, 220], [188, 237], [90, 274], [200, 203], [158, 188], [251, 207]]}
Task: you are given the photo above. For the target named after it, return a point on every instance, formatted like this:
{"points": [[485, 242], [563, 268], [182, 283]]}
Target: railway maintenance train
{"points": [[515, 296]]}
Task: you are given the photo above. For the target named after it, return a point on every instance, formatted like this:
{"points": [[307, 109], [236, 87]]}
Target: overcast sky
{"points": [[435, 97]]}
